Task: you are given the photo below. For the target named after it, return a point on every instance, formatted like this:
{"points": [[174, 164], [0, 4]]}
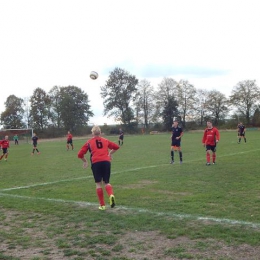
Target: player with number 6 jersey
{"points": [[101, 150]]}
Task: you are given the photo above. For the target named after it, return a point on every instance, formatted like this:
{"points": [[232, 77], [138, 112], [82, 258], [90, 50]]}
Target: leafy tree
{"points": [[200, 105], [216, 105], [74, 108], [165, 93], [169, 112], [55, 108], [256, 117], [144, 102], [118, 94], [245, 97], [12, 117], [186, 97], [40, 103]]}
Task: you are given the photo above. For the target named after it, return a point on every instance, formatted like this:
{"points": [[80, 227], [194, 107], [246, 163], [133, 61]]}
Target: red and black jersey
{"points": [[4, 143], [210, 136], [99, 149], [69, 137]]}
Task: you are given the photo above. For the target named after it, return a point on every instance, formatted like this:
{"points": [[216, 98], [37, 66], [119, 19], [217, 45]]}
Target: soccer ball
{"points": [[93, 75]]}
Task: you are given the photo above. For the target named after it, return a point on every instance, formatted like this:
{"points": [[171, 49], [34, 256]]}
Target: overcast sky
{"points": [[46, 43]]}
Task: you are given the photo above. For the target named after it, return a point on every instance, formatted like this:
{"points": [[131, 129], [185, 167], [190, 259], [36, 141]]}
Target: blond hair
{"points": [[96, 130]]}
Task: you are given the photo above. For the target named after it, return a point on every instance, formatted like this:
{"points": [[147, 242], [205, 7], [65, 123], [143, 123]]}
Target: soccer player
{"points": [[177, 133], [69, 141], [16, 139], [101, 151], [5, 145], [241, 132], [121, 137], [35, 143], [210, 139]]}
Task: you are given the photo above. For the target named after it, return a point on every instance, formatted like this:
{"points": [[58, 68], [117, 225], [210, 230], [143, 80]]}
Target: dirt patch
{"points": [[34, 238]]}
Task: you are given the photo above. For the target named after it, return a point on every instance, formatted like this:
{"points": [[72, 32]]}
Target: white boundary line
{"points": [[181, 216], [129, 170], [140, 210]]}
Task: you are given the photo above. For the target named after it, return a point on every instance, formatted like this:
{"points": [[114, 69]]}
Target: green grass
{"points": [[53, 196]]}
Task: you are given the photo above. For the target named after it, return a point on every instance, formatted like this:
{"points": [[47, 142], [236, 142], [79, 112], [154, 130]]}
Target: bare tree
{"points": [[144, 102], [186, 99], [216, 105], [245, 98]]}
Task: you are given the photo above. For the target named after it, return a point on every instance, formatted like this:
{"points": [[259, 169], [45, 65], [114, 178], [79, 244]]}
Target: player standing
{"points": [[16, 140], [35, 143], [241, 132], [210, 139], [100, 150], [69, 141], [121, 137], [5, 145], [177, 133]]}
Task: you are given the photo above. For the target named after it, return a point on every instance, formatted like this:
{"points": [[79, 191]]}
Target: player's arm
{"points": [[204, 138], [217, 136], [81, 154]]}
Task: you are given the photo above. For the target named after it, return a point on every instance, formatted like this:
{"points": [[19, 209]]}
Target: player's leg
{"points": [[108, 186], [97, 173], [172, 155], [1, 157], [208, 155], [180, 154], [6, 155]]}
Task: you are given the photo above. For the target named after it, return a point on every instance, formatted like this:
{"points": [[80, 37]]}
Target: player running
{"points": [[4, 145], [210, 139], [69, 141], [100, 150], [177, 133], [241, 132]]}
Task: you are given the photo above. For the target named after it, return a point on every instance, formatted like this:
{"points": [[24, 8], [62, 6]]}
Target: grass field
{"points": [[49, 208]]}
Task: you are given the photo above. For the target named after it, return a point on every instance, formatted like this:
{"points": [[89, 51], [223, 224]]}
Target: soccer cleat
{"points": [[112, 201], [171, 162], [102, 207], [208, 164], [214, 163], [180, 162], [38, 153]]}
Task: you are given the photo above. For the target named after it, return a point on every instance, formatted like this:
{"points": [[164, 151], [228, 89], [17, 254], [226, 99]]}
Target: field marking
{"points": [[129, 170], [78, 178], [140, 210]]}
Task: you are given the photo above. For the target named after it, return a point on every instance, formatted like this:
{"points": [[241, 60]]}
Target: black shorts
{"points": [[69, 141], [241, 134], [211, 147], [101, 171], [121, 137], [176, 142], [5, 150], [34, 145]]}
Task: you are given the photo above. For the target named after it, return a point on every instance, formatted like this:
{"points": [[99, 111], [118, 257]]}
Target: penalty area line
{"points": [[140, 210]]}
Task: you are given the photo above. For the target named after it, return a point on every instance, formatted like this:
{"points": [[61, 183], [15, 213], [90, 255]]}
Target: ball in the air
{"points": [[93, 75]]}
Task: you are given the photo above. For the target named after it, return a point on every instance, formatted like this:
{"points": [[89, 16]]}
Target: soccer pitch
{"points": [[218, 202]]}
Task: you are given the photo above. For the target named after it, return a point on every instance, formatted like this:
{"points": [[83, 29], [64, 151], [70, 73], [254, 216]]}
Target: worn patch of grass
{"points": [[48, 204]]}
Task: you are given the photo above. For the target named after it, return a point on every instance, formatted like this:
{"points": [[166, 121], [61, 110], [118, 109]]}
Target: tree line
{"points": [[132, 103]]}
